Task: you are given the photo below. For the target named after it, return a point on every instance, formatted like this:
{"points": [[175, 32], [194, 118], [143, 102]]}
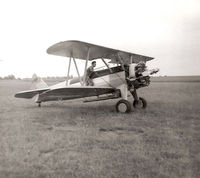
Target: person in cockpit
{"points": [[89, 74]]}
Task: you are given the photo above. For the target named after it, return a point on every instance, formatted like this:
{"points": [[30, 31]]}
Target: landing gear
{"points": [[140, 103], [39, 104], [123, 106]]}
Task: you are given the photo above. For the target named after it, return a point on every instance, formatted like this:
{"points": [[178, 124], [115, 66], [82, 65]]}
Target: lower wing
{"points": [[67, 93]]}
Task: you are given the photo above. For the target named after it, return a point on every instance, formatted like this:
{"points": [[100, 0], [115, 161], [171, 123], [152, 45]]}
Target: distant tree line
{"points": [[52, 78], [9, 77], [57, 78]]}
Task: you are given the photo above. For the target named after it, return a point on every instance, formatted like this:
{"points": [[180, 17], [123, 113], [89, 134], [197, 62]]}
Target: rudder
{"points": [[37, 83]]}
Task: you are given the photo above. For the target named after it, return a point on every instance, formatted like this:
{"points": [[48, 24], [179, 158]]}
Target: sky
{"points": [[168, 30]]}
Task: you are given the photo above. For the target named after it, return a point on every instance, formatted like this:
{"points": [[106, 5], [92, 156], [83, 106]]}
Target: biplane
{"points": [[127, 74]]}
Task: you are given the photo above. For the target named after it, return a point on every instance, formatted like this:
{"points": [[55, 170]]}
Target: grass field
{"points": [[71, 139]]}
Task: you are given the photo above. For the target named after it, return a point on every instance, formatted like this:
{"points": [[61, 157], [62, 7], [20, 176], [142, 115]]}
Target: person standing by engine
{"points": [[139, 69], [89, 74]]}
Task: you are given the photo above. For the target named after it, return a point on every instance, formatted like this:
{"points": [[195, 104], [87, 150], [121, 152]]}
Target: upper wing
{"points": [[67, 93], [30, 93], [78, 49]]}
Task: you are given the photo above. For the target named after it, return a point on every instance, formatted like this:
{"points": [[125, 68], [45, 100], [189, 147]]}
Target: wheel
{"points": [[39, 105], [141, 103], [123, 106]]}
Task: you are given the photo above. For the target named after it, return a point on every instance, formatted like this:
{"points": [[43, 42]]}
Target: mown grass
{"points": [[72, 139]]}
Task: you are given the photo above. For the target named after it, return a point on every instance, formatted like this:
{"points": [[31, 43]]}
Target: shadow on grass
{"points": [[121, 129]]}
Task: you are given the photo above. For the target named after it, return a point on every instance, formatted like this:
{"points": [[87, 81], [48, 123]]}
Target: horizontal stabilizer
{"points": [[30, 93], [38, 86]]}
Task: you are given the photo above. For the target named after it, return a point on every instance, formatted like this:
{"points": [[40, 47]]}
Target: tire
{"points": [[123, 106], [140, 104]]}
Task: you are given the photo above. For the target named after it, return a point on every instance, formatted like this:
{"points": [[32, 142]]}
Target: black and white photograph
{"points": [[100, 89]]}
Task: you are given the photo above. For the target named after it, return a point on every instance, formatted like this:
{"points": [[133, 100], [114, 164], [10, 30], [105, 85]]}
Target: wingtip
{"points": [[48, 50], [16, 95]]}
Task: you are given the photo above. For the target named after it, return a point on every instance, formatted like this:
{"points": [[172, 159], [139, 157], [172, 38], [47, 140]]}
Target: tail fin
{"points": [[37, 83]]}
